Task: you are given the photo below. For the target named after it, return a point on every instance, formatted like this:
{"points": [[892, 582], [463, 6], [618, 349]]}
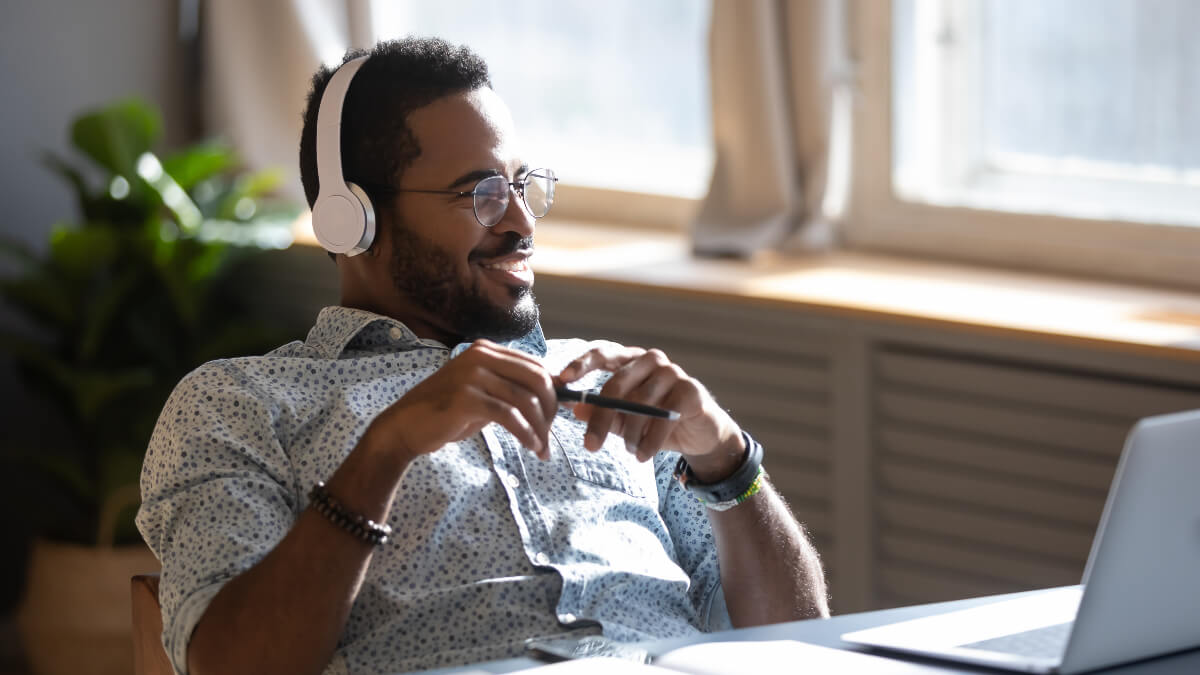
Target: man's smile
{"points": [[512, 269]]}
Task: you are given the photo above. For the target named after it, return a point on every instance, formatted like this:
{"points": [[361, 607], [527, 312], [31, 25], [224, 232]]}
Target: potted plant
{"points": [[117, 309]]}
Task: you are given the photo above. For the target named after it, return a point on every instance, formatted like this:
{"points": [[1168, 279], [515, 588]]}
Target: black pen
{"points": [[597, 400]]}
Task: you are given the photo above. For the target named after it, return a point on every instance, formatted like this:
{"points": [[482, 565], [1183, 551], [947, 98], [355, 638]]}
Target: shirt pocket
{"points": [[609, 467]]}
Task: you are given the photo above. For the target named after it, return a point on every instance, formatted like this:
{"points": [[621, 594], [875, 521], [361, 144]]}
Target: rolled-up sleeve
{"points": [[218, 493], [695, 547]]}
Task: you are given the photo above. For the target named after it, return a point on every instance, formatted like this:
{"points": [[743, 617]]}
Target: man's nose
{"points": [[516, 217]]}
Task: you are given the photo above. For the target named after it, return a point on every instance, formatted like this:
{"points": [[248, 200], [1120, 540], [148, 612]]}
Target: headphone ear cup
{"points": [[368, 216], [344, 222]]}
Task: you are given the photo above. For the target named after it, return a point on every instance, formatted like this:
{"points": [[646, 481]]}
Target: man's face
{"points": [[459, 279]]}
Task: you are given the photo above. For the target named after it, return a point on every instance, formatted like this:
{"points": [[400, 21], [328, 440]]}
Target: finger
{"points": [[508, 351], [636, 366], [509, 417], [526, 404], [659, 431], [652, 390], [518, 367], [608, 356], [584, 411], [654, 438]]}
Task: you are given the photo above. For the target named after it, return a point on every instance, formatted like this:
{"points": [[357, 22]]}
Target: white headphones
{"points": [[343, 218]]}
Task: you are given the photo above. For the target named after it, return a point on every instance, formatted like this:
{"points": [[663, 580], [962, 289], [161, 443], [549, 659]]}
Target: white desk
{"points": [[828, 633]]}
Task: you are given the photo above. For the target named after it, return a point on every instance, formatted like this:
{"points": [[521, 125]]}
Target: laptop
{"points": [[1140, 595]]}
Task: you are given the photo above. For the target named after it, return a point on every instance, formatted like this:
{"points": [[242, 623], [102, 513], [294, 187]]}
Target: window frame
{"points": [[880, 219], [580, 201]]}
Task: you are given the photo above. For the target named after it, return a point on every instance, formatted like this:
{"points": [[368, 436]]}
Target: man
{"points": [[427, 402]]}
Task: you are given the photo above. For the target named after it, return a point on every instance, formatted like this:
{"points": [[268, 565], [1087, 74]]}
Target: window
{"points": [[614, 99], [1062, 134], [1072, 107]]}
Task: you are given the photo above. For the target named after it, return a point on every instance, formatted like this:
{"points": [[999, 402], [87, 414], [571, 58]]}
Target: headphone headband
{"points": [[343, 217]]}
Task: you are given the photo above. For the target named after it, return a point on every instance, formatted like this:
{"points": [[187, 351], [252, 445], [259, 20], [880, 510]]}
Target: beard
{"points": [[428, 275]]}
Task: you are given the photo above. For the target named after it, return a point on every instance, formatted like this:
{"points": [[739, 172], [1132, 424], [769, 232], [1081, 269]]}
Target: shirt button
{"points": [[569, 618], [513, 481], [541, 559], [396, 333]]}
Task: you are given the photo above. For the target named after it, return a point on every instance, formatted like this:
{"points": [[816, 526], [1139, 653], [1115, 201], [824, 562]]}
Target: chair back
{"points": [[149, 657]]}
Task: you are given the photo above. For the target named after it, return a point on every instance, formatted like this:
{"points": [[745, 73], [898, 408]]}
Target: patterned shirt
{"points": [[491, 545]]}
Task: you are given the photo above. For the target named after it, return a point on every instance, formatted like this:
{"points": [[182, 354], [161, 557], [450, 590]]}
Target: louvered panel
{"points": [[982, 561], [1065, 391], [900, 583], [813, 515], [779, 441], [809, 480], [938, 447], [645, 318], [1023, 536], [1002, 494], [991, 476], [799, 376], [959, 412], [749, 406]]}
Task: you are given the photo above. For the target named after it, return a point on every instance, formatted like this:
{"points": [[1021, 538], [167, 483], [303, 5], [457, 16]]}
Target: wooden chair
{"points": [[149, 657]]}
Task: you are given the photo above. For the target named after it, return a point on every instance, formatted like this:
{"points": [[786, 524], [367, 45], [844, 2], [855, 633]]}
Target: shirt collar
{"points": [[341, 328]]}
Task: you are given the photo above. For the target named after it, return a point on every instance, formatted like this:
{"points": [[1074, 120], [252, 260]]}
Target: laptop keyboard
{"points": [[1046, 643]]}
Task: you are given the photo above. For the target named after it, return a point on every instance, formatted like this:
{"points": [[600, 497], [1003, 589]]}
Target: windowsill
{"points": [[1096, 314]]}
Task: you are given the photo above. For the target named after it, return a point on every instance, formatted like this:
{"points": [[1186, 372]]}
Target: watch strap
{"points": [[743, 483]]}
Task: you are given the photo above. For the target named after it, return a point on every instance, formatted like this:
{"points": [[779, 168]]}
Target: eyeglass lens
{"points": [[491, 196]]}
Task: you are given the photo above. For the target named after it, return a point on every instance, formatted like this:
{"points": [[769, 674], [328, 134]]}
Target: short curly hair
{"points": [[399, 77]]}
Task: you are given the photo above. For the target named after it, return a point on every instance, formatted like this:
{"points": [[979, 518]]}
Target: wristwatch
{"points": [[744, 483]]}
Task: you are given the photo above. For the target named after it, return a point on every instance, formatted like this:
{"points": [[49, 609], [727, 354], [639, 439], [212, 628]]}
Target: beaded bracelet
{"points": [[356, 524], [754, 489]]}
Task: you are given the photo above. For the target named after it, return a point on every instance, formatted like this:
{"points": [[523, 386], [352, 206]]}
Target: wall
{"points": [[59, 57]]}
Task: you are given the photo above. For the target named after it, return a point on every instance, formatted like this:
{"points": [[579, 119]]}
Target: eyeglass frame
{"points": [[517, 186]]}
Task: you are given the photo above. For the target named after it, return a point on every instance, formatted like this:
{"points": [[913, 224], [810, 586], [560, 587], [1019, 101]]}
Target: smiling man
{"points": [[402, 489]]}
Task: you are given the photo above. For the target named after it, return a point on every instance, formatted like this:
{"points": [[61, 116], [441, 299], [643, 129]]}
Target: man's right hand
{"points": [[486, 383]]}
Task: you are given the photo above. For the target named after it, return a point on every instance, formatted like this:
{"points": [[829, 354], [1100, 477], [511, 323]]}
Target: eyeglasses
{"points": [[490, 195]]}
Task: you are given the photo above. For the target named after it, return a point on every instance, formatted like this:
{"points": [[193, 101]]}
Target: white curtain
{"points": [[781, 96], [258, 58], [782, 99]]}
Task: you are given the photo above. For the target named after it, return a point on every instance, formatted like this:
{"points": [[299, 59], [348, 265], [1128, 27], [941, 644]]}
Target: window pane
{"points": [[609, 95], [1083, 108], [1105, 80]]}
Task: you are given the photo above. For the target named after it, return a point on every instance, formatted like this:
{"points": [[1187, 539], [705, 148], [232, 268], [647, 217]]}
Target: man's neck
{"points": [[421, 327]]}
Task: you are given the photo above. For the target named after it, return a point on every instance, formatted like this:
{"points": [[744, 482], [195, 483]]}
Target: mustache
{"points": [[511, 243]]}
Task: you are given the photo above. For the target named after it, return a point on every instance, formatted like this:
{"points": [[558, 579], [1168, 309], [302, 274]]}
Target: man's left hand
{"points": [[704, 433]]}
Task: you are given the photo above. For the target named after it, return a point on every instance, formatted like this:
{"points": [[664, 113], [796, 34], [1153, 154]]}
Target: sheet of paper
{"points": [[597, 666], [777, 656]]}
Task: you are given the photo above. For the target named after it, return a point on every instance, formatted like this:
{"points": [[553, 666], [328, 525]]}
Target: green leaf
{"points": [[69, 472], [43, 297], [43, 367], [104, 310], [81, 252], [90, 389], [69, 173], [115, 136], [119, 467], [240, 201], [262, 233], [259, 183], [95, 389], [200, 162], [174, 197], [238, 339], [175, 264]]}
